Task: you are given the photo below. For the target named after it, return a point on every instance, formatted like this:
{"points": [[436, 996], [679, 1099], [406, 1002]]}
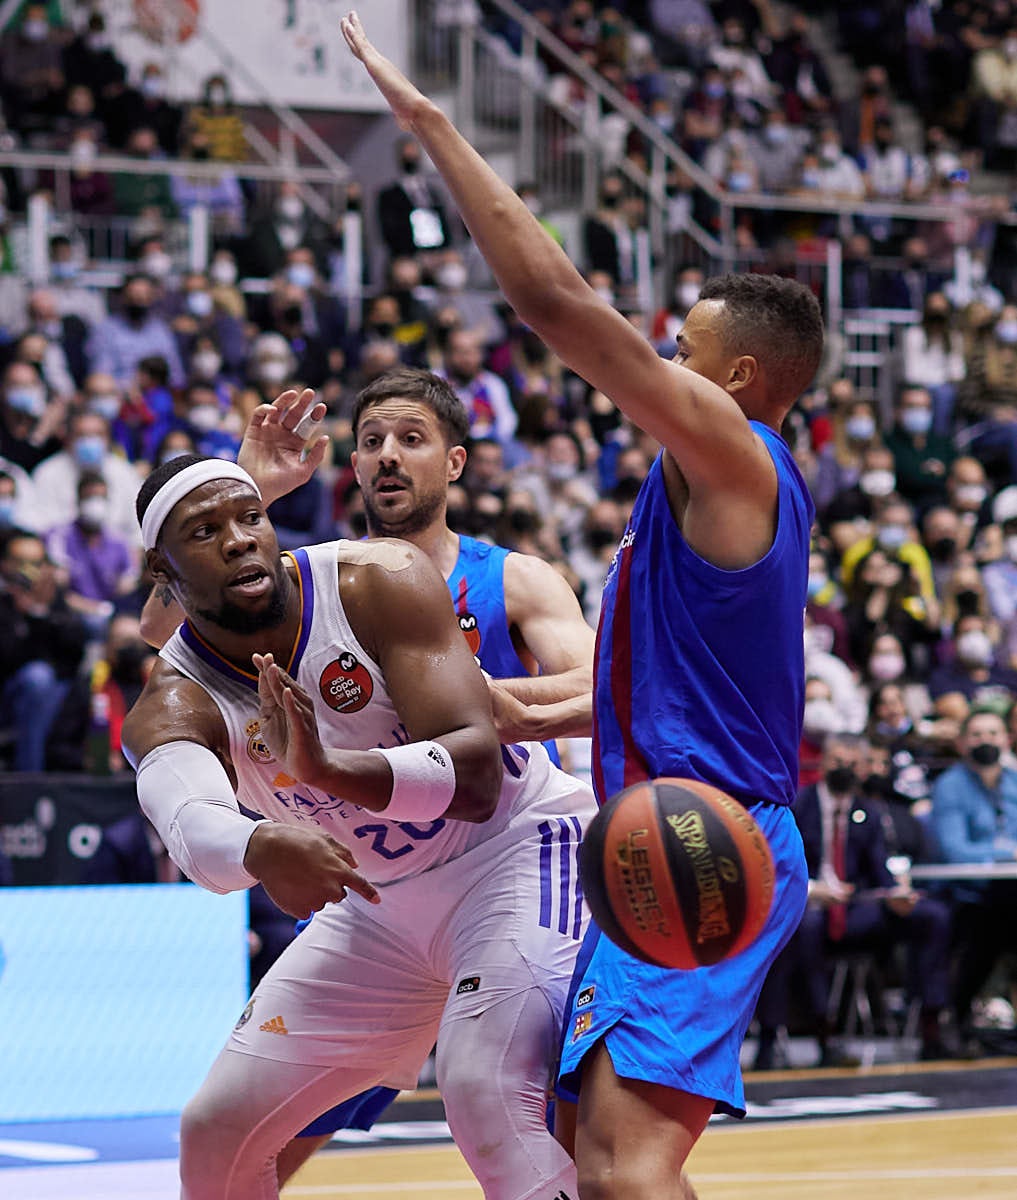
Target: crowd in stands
{"points": [[911, 623]]}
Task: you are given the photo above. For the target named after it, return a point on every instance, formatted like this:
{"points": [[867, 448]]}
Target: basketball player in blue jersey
{"points": [[699, 668]]}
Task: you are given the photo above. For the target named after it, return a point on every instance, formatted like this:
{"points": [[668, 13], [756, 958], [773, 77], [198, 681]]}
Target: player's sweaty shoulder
{"points": [[387, 553]]}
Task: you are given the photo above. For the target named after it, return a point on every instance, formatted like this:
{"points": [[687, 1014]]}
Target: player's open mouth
{"points": [[251, 582], [390, 487]]}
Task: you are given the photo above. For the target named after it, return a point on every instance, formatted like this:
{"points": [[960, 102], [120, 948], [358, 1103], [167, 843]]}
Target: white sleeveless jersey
{"points": [[354, 712]]}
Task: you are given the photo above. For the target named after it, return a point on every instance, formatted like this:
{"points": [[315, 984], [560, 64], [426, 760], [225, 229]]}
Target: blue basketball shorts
{"points": [[682, 1029]]}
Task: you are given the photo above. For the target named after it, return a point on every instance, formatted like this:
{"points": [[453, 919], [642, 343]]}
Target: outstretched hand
{"points": [[277, 450], [403, 98], [287, 721]]}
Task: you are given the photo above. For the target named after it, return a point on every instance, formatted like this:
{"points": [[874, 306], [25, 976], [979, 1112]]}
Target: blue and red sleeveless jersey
{"points": [[700, 672], [477, 584]]}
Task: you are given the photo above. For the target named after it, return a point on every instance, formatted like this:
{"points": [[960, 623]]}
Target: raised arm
{"points": [[696, 421]]}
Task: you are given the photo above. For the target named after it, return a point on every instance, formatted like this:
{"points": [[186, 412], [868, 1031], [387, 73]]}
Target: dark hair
{"points": [[157, 367], [89, 479], [422, 387], [980, 712], [160, 475], [777, 321]]}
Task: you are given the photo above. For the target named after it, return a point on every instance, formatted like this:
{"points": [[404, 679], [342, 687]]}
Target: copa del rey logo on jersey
{"points": [[346, 684]]}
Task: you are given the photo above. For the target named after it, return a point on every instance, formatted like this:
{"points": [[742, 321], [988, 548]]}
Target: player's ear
{"points": [[743, 371], [157, 565], [456, 462]]}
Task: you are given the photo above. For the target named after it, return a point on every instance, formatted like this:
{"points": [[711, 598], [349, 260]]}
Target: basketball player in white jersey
{"points": [[461, 926]]}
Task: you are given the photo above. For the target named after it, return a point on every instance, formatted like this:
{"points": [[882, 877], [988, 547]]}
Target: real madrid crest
{"points": [[257, 748]]}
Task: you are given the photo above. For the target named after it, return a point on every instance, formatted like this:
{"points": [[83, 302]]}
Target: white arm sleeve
{"points": [[186, 794]]}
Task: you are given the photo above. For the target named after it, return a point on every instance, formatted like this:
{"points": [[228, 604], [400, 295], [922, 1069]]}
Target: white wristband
{"points": [[423, 781]]}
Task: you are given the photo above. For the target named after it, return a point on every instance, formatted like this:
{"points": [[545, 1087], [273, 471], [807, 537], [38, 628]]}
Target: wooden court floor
{"points": [[931, 1156]]}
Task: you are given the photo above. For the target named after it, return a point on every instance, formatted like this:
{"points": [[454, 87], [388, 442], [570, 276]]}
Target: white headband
{"points": [[177, 486]]}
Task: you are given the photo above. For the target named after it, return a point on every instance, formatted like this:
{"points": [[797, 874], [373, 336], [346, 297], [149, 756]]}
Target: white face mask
{"points": [[204, 417], [818, 639], [860, 429], [301, 274], [820, 718], [158, 265], [223, 272], [290, 208], [1011, 547], [199, 304], [452, 276], [93, 511], [877, 483], [108, 407], [273, 370], [974, 648], [971, 495], [687, 294], [884, 667], [206, 363]]}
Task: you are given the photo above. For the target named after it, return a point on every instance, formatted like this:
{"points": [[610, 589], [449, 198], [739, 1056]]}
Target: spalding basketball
{"points": [[677, 873]]}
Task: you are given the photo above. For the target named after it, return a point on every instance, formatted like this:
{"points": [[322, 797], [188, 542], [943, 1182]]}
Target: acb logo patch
{"points": [[346, 684]]}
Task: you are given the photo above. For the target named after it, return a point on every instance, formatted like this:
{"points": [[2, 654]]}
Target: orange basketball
{"points": [[677, 873]]}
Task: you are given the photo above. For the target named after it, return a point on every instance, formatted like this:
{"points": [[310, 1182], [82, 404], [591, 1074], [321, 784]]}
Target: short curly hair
{"points": [[776, 320]]}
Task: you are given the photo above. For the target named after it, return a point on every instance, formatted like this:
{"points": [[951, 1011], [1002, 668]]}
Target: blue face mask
{"points": [[28, 400], [89, 451], [108, 407], [816, 585], [63, 270], [7, 504], [916, 420]]}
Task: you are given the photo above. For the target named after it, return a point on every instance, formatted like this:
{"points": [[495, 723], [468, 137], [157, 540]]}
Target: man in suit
{"points": [[846, 853], [411, 211]]}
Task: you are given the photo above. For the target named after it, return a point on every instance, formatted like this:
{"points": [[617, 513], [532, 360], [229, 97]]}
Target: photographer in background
{"points": [[41, 648]]}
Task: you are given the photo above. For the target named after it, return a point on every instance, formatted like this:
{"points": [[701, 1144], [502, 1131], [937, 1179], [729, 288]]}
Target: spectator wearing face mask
{"points": [[967, 491], [777, 150], [825, 604], [877, 479], [277, 230], [291, 317], [668, 322], [17, 497], [974, 815], [921, 457], [1000, 578], [988, 396], [88, 448], [902, 722], [218, 122], [839, 463], [198, 316], [223, 274], [593, 553], [31, 71], [29, 420], [884, 595], [945, 538], [145, 105], [973, 679], [118, 345], [894, 533], [933, 358], [411, 209], [100, 567], [846, 853]]}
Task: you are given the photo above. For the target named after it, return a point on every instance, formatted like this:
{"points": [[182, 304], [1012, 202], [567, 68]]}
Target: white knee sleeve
{"points": [[494, 1073]]}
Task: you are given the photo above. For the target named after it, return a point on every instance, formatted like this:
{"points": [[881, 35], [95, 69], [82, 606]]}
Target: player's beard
{"points": [[234, 619], [419, 517]]}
